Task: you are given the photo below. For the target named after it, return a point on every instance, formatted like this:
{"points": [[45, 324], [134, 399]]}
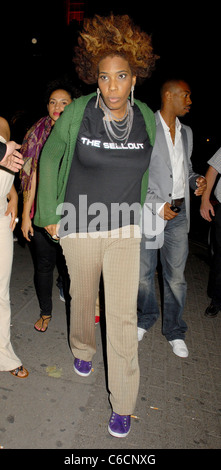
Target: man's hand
{"points": [[166, 213], [206, 210], [12, 160]]}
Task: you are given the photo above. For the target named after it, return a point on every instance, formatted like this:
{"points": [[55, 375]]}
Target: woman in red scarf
{"points": [[46, 253]]}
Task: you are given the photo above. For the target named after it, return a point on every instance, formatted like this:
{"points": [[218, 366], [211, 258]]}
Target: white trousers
{"points": [[8, 359]]}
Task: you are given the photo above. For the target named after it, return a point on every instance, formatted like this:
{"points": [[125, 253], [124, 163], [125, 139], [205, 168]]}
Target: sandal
{"points": [[43, 319], [15, 372]]}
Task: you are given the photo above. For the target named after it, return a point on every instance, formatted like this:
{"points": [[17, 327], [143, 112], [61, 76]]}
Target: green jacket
{"points": [[57, 154]]}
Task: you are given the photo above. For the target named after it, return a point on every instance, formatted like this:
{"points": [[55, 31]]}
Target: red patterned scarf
{"points": [[31, 148]]}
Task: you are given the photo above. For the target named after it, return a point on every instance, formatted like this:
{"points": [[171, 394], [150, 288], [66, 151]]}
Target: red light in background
{"points": [[74, 11]]}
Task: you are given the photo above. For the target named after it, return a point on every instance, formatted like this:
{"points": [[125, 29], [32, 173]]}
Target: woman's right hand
{"points": [[26, 228], [53, 231]]}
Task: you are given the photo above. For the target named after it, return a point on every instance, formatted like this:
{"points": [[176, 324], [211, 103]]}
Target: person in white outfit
{"points": [[8, 212]]}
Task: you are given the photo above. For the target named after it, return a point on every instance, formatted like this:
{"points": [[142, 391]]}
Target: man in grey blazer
{"points": [[168, 201]]}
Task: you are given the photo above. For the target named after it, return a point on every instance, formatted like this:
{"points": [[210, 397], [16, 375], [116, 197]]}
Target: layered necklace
{"points": [[117, 129]]}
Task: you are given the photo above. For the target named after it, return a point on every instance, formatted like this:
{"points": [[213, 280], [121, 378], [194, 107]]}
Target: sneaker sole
{"points": [[116, 434], [81, 373]]}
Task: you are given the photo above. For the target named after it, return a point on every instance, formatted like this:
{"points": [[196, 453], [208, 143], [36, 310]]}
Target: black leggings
{"points": [[46, 255]]}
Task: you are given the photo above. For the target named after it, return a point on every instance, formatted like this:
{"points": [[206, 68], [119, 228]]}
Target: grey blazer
{"points": [[160, 171]]}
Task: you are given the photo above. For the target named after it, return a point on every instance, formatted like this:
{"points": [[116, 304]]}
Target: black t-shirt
{"points": [[105, 177]]}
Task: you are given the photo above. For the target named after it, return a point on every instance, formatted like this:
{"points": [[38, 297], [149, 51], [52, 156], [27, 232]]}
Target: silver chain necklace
{"points": [[123, 126]]}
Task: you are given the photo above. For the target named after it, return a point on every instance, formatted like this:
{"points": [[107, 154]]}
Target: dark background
{"points": [[186, 36]]}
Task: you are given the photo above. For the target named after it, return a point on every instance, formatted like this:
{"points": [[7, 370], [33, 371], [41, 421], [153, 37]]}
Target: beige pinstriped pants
{"points": [[118, 259]]}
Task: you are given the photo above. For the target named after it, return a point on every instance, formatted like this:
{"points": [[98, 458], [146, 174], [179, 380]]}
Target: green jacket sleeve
{"points": [[150, 123], [50, 160]]}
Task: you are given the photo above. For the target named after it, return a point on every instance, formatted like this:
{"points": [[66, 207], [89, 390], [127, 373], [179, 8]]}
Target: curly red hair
{"points": [[113, 35]]}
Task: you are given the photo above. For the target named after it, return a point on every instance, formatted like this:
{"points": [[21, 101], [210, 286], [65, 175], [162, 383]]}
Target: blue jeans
{"points": [[173, 256]]}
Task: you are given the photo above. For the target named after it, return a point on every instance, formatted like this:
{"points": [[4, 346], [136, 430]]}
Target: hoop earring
{"points": [[98, 96], [132, 96]]}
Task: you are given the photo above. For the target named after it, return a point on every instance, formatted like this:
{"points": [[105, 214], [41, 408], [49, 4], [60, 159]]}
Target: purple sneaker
{"points": [[119, 425], [82, 368]]}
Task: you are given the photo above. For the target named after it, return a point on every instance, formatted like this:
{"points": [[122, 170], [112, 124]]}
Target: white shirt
{"points": [[176, 158]]}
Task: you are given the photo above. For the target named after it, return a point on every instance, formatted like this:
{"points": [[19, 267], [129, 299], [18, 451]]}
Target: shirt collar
{"points": [[165, 126]]}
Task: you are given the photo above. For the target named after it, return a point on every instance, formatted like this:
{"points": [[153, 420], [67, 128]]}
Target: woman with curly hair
{"points": [[91, 196]]}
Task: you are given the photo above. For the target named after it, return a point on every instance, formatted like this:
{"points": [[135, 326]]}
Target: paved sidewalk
{"points": [[179, 402]]}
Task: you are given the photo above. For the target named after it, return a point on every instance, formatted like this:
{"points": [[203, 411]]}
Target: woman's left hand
{"points": [[12, 209]]}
